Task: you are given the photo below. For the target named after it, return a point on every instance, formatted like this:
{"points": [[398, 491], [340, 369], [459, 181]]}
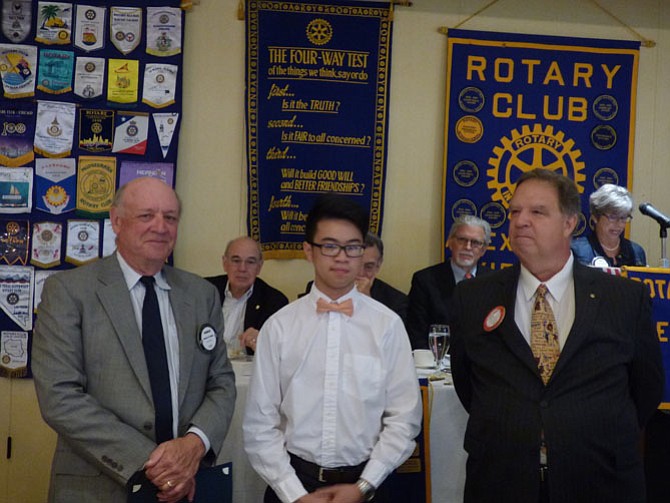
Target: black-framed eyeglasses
{"points": [[622, 219], [333, 249], [474, 243]]}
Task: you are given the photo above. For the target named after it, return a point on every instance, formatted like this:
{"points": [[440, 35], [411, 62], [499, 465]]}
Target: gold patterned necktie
{"points": [[544, 335]]}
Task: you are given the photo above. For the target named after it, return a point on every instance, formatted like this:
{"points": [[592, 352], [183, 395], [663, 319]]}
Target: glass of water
{"points": [[438, 342]]}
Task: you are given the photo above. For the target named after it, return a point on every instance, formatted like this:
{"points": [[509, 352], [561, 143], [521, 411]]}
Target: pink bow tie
{"points": [[345, 307]]}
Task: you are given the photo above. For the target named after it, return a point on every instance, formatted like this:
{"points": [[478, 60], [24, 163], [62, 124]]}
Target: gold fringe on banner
{"points": [[13, 373], [401, 3], [645, 42]]}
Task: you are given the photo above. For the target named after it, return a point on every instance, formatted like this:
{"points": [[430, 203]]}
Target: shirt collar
{"points": [[316, 294], [556, 285], [132, 277], [459, 273], [229, 295]]}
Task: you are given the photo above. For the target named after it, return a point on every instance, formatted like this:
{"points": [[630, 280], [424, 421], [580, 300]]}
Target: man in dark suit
{"points": [[93, 375], [558, 365], [368, 283], [247, 300], [432, 287]]}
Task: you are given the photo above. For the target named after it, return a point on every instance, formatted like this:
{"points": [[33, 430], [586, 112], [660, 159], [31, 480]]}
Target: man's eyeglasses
{"points": [[624, 219], [333, 249], [238, 261], [371, 266], [475, 244]]}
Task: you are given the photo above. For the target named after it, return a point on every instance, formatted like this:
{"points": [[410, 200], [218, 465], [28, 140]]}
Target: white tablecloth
{"points": [[447, 426], [448, 420], [248, 487]]}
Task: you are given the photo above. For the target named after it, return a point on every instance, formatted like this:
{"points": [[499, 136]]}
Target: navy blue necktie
{"points": [[156, 357]]}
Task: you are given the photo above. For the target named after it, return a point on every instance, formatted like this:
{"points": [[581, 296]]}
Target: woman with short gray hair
{"points": [[611, 209]]}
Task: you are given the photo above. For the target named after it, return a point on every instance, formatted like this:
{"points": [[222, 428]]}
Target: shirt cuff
{"points": [[203, 437], [290, 489], [375, 472]]}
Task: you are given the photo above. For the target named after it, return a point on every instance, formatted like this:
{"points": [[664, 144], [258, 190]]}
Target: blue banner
{"points": [[519, 102], [658, 282], [317, 92]]}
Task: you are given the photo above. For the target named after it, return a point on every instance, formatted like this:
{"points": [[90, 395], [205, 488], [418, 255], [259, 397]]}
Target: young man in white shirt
{"points": [[334, 404]]}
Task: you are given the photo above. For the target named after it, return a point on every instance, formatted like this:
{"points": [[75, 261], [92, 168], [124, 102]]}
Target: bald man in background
{"points": [[247, 300]]}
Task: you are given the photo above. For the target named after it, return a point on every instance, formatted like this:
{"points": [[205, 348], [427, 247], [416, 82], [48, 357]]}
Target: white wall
{"points": [[211, 173]]}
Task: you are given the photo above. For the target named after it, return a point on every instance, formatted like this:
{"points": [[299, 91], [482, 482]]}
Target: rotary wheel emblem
{"points": [[56, 196], [319, 31], [530, 149], [12, 228]]}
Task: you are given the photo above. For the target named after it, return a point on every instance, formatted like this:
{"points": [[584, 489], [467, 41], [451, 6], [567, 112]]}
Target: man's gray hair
{"points": [[119, 199], [372, 239], [474, 221], [240, 238]]}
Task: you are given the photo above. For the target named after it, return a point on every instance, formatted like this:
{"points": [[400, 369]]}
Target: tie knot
{"points": [[468, 275], [147, 281], [541, 290]]}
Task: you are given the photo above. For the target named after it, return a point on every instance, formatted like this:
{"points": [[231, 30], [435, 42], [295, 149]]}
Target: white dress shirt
{"points": [[233, 314], [331, 389], [170, 334], [561, 298]]}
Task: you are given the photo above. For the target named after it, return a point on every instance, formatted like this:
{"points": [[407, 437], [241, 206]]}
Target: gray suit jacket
{"points": [[92, 381]]}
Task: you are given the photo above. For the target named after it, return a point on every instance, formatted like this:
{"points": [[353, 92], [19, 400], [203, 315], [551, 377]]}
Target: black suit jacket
{"points": [[606, 384], [430, 300], [263, 303], [391, 297]]}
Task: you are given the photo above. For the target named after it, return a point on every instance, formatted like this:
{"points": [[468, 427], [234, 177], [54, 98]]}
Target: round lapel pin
{"points": [[494, 318], [207, 337]]}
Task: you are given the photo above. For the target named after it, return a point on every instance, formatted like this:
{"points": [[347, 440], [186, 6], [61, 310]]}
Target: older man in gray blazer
{"points": [[92, 371]]}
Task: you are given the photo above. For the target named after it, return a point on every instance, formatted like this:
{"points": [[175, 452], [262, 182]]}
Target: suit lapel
{"points": [[252, 307], [182, 309], [115, 300], [505, 295], [587, 300], [446, 281]]}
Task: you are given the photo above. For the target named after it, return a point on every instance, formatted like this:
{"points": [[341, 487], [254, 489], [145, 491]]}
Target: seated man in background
{"points": [[432, 287], [368, 283], [247, 300]]}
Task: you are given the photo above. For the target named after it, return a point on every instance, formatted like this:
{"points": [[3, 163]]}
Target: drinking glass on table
{"points": [[235, 349], [438, 342]]}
